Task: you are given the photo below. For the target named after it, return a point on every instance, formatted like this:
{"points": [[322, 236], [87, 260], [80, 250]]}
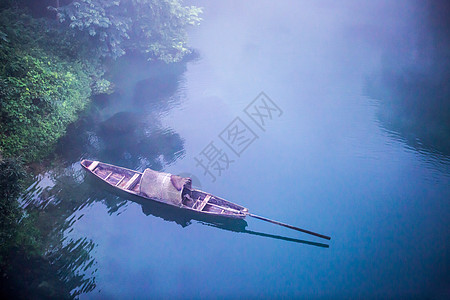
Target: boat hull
{"points": [[208, 212]]}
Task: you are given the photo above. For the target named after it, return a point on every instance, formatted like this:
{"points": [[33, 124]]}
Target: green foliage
{"points": [[40, 91], [102, 86], [11, 179], [47, 74], [156, 28]]}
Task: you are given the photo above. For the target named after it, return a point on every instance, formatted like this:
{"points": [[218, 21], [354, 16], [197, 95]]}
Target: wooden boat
{"points": [[165, 188], [174, 191]]}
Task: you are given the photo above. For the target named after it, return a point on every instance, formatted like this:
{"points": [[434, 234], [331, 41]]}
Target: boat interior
{"points": [[119, 177]]}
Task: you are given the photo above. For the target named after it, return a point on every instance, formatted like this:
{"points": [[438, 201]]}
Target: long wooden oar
{"points": [[289, 226], [272, 221]]}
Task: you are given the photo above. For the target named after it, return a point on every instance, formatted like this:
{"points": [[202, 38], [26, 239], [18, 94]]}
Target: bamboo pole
{"points": [[272, 221], [290, 226]]}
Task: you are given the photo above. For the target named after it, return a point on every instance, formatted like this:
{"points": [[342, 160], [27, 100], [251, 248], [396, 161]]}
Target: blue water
{"points": [[323, 161]]}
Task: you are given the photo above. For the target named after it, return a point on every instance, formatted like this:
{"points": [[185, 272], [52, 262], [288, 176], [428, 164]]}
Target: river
{"points": [[286, 96]]}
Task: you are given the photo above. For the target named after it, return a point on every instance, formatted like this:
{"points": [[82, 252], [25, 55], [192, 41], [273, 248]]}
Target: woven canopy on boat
{"points": [[163, 187]]}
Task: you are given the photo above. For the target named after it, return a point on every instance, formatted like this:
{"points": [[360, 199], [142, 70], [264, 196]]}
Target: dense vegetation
{"points": [[50, 68], [155, 28], [42, 85], [52, 62]]}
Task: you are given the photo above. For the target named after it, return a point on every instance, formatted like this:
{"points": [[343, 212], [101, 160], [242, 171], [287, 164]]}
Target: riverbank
{"points": [[51, 70]]}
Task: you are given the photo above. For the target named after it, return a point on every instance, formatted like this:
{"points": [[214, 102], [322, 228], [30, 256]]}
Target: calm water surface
{"points": [[327, 163]]}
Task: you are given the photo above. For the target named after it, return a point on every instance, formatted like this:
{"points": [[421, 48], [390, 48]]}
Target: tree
{"points": [[156, 28]]}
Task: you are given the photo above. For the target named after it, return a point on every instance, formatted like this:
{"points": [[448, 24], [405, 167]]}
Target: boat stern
{"points": [[85, 163]]}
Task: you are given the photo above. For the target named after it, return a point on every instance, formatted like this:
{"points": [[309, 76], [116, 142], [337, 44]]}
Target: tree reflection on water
{"points": [[413, 85], [129, 137]]}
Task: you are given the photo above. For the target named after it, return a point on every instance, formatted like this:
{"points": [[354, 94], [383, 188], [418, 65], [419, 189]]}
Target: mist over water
{"points": [[352, 156]]}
